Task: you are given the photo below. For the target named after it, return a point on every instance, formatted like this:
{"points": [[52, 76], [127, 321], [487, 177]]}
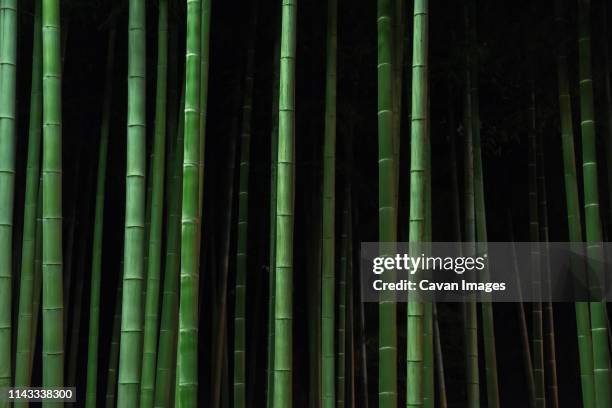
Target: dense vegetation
{"points": [[184, 187]]}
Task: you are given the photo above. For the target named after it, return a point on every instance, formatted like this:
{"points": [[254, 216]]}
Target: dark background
{"points": [[516, 43]]}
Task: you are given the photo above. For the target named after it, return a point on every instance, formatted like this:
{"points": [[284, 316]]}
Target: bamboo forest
{"points": [[186, 189]]}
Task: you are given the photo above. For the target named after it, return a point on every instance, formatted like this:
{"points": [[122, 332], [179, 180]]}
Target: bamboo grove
{"points": [[185, 187]]}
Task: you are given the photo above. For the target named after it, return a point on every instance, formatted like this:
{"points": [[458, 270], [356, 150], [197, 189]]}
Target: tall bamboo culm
{"points": [[132, 309], [536, 265], [52, 300], [328, 302], [283, 302], [592, 218], [165, 377], [419, 162], [96, 262], [583, 319], [24, 351], [239, 381], [488, 328], [470, 311], [272, 259], [8, 78], [187, 364], [387, 209], [149, 356]]}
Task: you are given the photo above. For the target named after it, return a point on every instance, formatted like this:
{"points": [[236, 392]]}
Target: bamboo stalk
{"points": [[239, 380], [328, 274], [52, 300], [283, 308], [583, 319], [132, 310], [387, 209], [187, 365], [24, 351], [96, 262], [599, 323]]}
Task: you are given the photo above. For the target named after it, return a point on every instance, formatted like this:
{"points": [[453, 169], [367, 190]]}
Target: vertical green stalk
{"points": [[272, 261], [341, 337], [428, 330], [419, 174], [53, 325], [130, 352], [166, 356], [8, 107], [187, 372], [470, 312], [149, 351], [96, 260], [113, 354], [387, 209], [488, 328], [398, 21], [24, 351], [329, 209], [242, 228], [583, 320], [283, 307], [534, 234], [599, 331], [37, 285]]}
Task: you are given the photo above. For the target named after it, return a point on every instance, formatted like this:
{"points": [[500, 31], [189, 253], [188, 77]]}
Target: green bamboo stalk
{"points": [[488, 328], [167, 344], [272, 260], [428, 329], [96, 261], [239, 381], [52, 302], [470, 312], [362, 327], [37, 285], [24, 351], [387, 209], [187, 371], [350, 293], [398, 21], [283, 305], [149, 351], [130, 352], [113, 354], [583, 320], [599, 331], [534, 234], [341, 336], [8, 107], [549, 327], [328, 318], [419, 162]]}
